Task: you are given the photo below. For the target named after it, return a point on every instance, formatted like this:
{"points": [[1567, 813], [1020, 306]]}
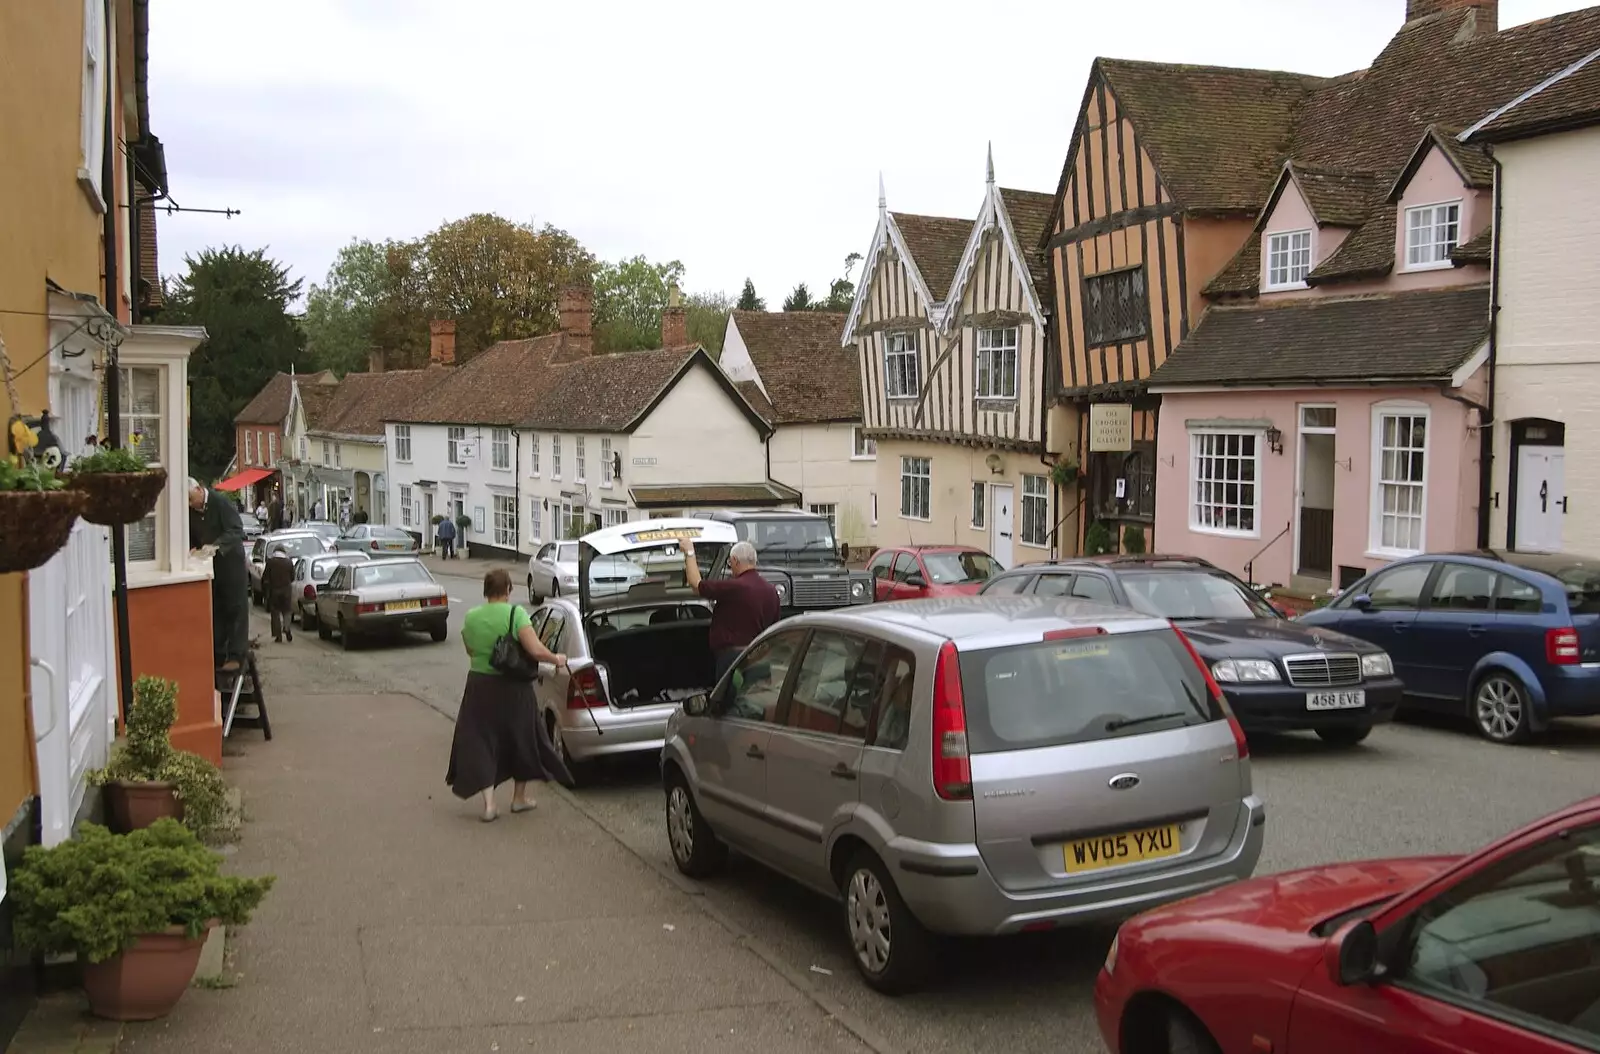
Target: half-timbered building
{"points": [[950, 326]]}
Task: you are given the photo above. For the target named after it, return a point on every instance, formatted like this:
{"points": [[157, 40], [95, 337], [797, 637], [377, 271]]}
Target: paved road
{"points": [[1412, 788]]}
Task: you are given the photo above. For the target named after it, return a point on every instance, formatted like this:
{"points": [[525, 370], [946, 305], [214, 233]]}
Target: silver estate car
{"points": [[382, 595], [295, 544], [966, 766]]}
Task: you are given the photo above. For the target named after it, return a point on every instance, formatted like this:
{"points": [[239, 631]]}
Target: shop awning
{"points": [[241, 480]]}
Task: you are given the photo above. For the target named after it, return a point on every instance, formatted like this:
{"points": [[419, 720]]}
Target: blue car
{"points": [[1511, 640]]}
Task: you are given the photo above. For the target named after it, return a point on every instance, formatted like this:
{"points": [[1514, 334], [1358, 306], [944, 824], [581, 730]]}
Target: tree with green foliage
{"points": [[799, 300], [629, 296], [707, 317], [341, 312], [242, 299], [748, 301], [842, 290]]}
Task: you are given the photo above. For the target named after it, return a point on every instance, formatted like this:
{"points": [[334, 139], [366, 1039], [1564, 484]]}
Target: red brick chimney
{"points": [[1488, 12], [674, 324], [576, 308], [442, 342], [375, 360]]}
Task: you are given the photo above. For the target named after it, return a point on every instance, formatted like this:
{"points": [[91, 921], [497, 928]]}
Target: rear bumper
{"points": [[951, 891], [620, 731], [1280, 708], [420, 621], [1571, 691]]}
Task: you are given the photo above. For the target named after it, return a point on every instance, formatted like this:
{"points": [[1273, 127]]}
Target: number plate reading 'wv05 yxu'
{"points": [[1114, 850]]}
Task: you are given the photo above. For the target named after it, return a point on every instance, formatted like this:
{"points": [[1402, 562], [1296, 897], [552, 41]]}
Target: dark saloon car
{"points": [[1510, 640], [1279, 676]]}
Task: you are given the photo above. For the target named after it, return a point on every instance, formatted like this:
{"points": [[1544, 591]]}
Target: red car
{"points": [[1496, 953], [930, 571]]}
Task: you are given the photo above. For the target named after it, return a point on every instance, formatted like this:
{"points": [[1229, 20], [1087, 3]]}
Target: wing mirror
{"points": [[697, 705], [1362, 603], [916, 582], [1351, 955]]}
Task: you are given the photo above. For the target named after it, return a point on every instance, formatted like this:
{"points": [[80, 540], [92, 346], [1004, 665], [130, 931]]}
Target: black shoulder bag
{"points": [[510, 658]]}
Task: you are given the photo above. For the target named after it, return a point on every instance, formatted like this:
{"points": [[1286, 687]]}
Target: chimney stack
{"points": [[576, 308], [442, 342], [375, 360], [674, 324], [1488, 21]]}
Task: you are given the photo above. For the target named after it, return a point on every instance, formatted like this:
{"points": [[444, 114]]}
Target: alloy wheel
{"points": [[680, 823], [867, 908], [1499, 708]]}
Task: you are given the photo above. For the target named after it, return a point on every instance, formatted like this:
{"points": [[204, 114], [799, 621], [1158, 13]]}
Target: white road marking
{"points": [[457, 600]]}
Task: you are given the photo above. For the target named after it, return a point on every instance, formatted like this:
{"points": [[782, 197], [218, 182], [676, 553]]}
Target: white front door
{"points": [[1541, 498], [1004, 525]]}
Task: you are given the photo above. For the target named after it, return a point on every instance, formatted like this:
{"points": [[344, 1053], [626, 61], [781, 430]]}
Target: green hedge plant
{"points": [[1097, 540], [109, 459], [148, 756], [95, 895]]}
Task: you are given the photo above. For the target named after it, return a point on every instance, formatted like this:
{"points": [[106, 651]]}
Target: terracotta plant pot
{"points": [[134, 806], [146, 981], [113, 498], [35, 525]]}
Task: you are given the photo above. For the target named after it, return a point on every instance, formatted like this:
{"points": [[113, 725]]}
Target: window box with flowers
{"points": [[118, 485]]}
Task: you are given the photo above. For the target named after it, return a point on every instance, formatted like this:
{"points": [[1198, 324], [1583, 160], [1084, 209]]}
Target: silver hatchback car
{"points": [[966, 765]]}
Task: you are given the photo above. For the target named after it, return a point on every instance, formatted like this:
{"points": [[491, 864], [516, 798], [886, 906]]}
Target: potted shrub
{"points": [[133, 908], [1065, 473], [1133, 539], [1097, 539], [147, 779], [119, 487], [37, 510]]}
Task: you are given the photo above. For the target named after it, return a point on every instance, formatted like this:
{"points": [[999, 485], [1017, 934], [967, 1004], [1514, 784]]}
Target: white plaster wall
{"points": [[818, 460], [697, 434]]}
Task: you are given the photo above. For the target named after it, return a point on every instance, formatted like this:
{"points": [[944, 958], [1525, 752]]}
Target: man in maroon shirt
{"points": [[743, 605]]}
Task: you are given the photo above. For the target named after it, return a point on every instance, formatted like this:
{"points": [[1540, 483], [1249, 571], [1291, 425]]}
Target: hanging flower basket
{"points": [[118, 498], [35, 525]]}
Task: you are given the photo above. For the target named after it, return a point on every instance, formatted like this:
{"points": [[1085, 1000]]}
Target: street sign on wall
{"points": [[1110, 426]]}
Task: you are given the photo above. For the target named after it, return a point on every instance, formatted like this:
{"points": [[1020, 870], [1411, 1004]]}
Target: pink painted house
{"points": [[1326, 413]]}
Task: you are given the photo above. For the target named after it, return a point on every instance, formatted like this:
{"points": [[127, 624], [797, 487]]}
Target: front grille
{"points": [[820, 592], [1323, 670]]}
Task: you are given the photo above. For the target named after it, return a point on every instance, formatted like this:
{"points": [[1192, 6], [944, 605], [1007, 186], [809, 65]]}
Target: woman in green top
{"points": [[498, 734]]}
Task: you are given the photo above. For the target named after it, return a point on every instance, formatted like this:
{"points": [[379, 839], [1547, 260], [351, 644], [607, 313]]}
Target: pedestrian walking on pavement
{"points": [[277, 590], [447, 539], [498, 735], [743, 605]]}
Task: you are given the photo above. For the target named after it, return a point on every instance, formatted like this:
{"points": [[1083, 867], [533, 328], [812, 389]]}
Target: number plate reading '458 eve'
{"points": [[1113, 850]]}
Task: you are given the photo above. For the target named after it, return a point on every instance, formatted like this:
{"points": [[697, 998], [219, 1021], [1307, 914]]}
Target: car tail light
{"points": [[584, 690], [1216, 693], [310, 592], [433, 602], [368, 609], [1561, 647], [952, 767], [374, 544]]}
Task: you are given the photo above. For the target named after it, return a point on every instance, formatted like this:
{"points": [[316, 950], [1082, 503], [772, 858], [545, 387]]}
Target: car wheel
{"points": [[306, 621], [533, 596], [1187, 1036], [696, 849], [345, 641], [439, 632], [555, 587], [1500, 708], [580, 771], [1344, 737], [892, 951], [323, 632]]}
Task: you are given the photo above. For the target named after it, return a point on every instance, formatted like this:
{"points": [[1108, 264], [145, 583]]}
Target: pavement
{"points": [[402, 923]]}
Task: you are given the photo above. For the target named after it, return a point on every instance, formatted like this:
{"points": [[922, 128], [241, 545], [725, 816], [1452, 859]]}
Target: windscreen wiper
{"points": [[1128, 722]]}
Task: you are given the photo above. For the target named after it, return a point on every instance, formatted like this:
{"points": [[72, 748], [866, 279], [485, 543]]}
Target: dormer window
{"points": [[1288, 259], [1432, 231]]}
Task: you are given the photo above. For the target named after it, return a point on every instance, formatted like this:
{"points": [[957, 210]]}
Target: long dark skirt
{"points": [[499, 737]]}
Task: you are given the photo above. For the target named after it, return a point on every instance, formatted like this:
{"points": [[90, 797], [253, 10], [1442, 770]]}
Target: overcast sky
{"points": [[743, 138]]}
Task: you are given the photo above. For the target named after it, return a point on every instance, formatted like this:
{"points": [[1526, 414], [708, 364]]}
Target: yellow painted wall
{"points": [[47, 230]]}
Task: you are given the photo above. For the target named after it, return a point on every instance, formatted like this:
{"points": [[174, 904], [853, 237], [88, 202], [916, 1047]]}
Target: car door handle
{"points": [[755, 752], [1475, 631], [842, 771], [1399, 627]]}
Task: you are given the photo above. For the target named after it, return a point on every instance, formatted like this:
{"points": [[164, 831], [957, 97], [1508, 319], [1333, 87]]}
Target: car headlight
{"points": [[570, 581], [1111, 956], [858, 589], [782, 588], [1378, 664], [1245, 671]]}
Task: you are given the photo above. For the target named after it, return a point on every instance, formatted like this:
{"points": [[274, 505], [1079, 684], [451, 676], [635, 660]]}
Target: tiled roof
{"points": [[1339, 199], [363, 401], [1413, 336], [498, 386], [1571, 99], [770, 493], [1243, 273], [1473, 162], [271, 404], [1367, 253], [613, 393], [757, 399], [1479, 250], [1030, 214], [1217, 135], [935, 244], [808, 377], [315, 400]]}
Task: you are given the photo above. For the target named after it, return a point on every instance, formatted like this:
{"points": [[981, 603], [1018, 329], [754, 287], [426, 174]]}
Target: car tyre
{"points": [[1344, 737], [1187, 1036], [306, 622], [439, 632], [533, 596], [892, 950], [323, 632], [696, 849], [555, 587], [581, 771], [345, 640], [1500, 708]]}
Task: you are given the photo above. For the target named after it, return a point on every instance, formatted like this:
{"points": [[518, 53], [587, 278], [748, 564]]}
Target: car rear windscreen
{"points": [[392, 575], [305, 545], [1080, 690]]}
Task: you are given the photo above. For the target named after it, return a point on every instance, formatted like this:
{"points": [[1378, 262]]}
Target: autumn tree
{"points": [[748, 301], [341, 312], [242, 299]]}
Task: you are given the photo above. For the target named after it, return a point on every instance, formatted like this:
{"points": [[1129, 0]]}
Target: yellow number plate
{"points": [[1114, 850], [674, 534], [404, 605]]}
